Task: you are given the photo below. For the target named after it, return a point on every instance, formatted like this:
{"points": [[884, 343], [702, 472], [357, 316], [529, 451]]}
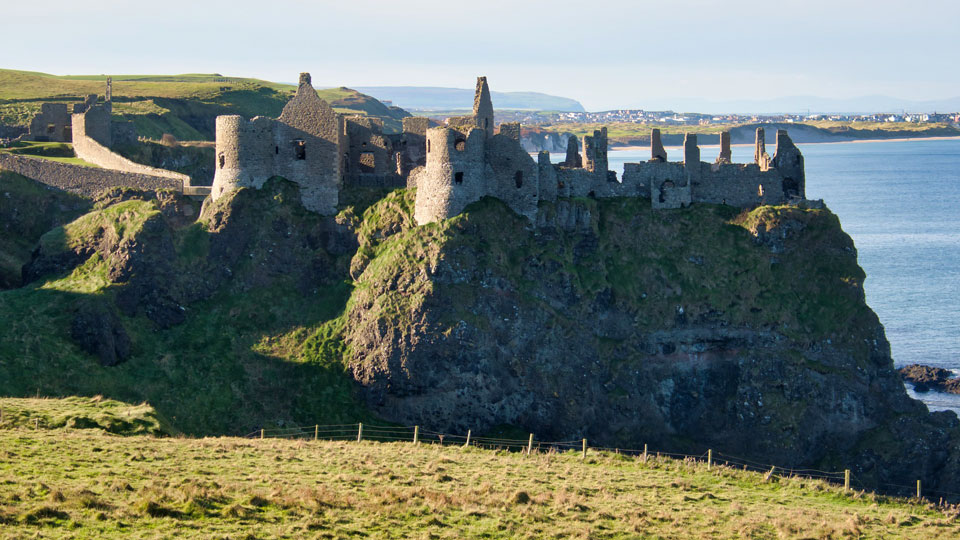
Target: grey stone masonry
{"points": [[305, 145], [483, 107], [87, 181], [51, 124], [510, 129], [726, 156], [573, 159], [657, 151], [464, 163]]}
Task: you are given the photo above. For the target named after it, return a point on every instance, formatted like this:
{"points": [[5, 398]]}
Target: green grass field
{"points": [[183, 105], [89, 483]]}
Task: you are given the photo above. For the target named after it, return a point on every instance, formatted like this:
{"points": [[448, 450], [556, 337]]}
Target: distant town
{"points": [[671, 118]]}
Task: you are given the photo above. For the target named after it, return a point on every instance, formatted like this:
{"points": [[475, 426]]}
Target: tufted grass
{"points": [[86, 484]]}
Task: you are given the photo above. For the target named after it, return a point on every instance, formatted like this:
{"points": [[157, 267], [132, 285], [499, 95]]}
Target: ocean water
{"points": [[900, 202]]}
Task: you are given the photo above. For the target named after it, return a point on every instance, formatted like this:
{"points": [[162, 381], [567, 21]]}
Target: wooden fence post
{"points": [[846, 479], [530, 444], [709, 458], [584, 448], [468, 439], [644, 452], [918, 489], [316, 432], [416, 434], [360, 432], [261, 432]]}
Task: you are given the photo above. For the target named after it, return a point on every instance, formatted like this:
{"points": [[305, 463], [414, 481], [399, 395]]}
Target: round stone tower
{"points": [[245, 153], [453, 176]]}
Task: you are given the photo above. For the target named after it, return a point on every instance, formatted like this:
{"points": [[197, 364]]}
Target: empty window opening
{"points": [[458, 177], [592, 194], [760, 190], [518, 179], [791, 188], [367, 163], [276, 149], [485, 121], [663, 190], [299, 149], [460, 144], [51, 128], [428, 146], [363, 145], [223, 160]]}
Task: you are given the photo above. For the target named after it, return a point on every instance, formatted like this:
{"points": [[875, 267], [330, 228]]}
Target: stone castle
{"points": [[468, 159], [315, 147]]}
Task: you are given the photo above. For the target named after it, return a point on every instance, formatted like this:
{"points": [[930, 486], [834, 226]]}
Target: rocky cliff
{"points": [[684, 329]]}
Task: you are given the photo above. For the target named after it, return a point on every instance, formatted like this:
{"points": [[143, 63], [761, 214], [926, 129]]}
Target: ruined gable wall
{"points": [[310, 119], [788, 161], [413, 143], [439, 194], [513, 175], [86, 181], [483, 107], [50, 124]]}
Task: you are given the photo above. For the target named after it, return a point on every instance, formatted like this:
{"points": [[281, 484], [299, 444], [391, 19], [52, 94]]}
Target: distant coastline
{"points": [[634, 148]]}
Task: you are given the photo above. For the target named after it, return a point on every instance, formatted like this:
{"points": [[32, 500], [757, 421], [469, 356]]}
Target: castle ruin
{"points": [[466, 161], [455, 165]]}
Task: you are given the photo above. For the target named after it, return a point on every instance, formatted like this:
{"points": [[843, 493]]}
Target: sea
{"points": [[900, 202]]}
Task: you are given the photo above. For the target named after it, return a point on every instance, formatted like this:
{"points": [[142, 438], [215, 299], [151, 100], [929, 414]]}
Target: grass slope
{"points": [[29, 209], [70, 483], [183, 105], [82, 413]]}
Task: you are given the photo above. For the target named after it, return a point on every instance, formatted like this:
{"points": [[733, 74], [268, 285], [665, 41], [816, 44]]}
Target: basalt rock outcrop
{"points": [[926, 378], [684, 330]]}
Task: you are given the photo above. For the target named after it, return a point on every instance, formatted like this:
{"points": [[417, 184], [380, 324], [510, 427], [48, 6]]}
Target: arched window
{"points": [[460, 144], [223, 160], [458, 177]]}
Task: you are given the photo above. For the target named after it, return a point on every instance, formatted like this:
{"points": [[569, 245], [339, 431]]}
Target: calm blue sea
{"points": [[900, 202]]}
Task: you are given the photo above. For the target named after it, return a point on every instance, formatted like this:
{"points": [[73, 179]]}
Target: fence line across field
{"points": [[387, 433]]}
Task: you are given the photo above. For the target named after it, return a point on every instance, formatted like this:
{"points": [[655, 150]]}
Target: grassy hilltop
{"points": [[182, 105], [84, 482]]}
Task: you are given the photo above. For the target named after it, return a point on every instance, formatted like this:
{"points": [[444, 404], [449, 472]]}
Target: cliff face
{"points": [[684, 329], [687, 329]]}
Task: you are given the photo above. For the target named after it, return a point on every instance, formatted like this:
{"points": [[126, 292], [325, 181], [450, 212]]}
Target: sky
{"points": [[606, 54]]}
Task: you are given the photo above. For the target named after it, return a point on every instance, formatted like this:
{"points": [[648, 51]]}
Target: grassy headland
{"points": [[182, 105]]}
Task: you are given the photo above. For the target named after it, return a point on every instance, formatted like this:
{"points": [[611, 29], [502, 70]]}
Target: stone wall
{"points": [[304, 146], [91, 151], [87, 181], [370, 159]]}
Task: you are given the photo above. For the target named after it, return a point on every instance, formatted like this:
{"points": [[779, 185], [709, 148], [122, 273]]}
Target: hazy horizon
{"points": [[608, 55]]}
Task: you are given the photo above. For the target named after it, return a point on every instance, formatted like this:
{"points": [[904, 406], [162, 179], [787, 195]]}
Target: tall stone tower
{"points": [[483, 107]]}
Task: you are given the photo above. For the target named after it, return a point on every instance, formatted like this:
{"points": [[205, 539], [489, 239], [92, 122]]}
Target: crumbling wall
{"points": [[511, 130], [87, 181], [788, 161], [573, 159], [369, 157], [413, 144], [512, 175], [51, 124]]}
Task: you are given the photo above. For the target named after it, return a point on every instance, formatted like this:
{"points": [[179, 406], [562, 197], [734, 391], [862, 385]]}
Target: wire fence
{"points": [[391, 433]]}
